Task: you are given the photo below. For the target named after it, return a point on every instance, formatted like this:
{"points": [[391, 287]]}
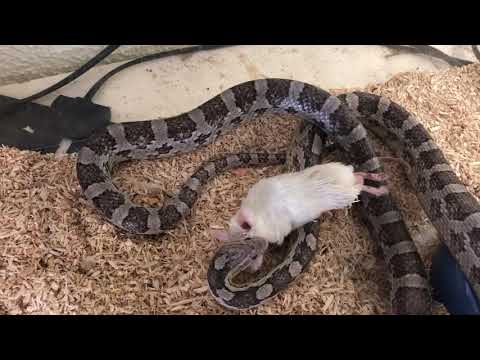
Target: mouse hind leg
{"points": [[360, 178]]}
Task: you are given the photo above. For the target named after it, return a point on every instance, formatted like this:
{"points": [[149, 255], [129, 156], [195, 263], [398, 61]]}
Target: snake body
{"points": [[343, 119]]}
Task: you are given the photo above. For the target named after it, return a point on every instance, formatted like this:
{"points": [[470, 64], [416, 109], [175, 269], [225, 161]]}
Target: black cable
{"points": [[94, 89], [430, 51], [414, 49], [476, 52], [77, 73]]}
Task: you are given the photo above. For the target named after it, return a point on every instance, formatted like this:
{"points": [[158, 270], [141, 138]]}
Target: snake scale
{"points": [[344, 120]]}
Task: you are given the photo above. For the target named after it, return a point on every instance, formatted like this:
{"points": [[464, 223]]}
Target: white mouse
{"points": [[277, 205]]}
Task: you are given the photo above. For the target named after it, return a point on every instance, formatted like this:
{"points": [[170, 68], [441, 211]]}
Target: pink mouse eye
{"points": [[245, 226]]}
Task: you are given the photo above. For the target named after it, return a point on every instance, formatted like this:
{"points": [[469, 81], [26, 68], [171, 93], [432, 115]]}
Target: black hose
{"points": [[94, 89], [77, 73]]}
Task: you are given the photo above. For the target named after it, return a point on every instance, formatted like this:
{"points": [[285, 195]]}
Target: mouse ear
{"points": [[245, 219], [221, 235]]}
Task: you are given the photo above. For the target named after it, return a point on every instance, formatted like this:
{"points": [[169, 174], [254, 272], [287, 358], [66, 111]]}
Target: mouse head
{"points": [[239, 227]]}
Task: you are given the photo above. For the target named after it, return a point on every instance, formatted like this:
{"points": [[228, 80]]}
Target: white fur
{"points": [[277, 205]]}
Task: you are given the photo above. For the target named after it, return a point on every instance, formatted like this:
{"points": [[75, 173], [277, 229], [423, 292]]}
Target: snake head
{"points": [[239, 254]]}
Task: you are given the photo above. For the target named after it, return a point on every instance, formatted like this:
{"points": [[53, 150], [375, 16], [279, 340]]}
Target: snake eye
{"points": [[245, 226]]}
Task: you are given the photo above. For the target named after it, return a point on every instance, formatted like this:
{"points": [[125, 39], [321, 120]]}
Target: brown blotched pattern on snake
{"points": [[454, 212]]}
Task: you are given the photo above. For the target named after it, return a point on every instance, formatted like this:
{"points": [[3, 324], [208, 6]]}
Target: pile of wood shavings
{"points": [[58, 256]]}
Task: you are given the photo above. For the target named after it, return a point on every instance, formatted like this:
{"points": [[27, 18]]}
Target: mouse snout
{"points": [[236, 231], [236, 224]]}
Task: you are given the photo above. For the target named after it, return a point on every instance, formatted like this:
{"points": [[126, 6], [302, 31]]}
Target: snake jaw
{"points": [[242, 254]]}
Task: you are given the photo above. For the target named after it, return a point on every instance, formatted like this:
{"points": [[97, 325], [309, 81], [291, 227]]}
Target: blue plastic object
{"points": [[450, 285]]}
